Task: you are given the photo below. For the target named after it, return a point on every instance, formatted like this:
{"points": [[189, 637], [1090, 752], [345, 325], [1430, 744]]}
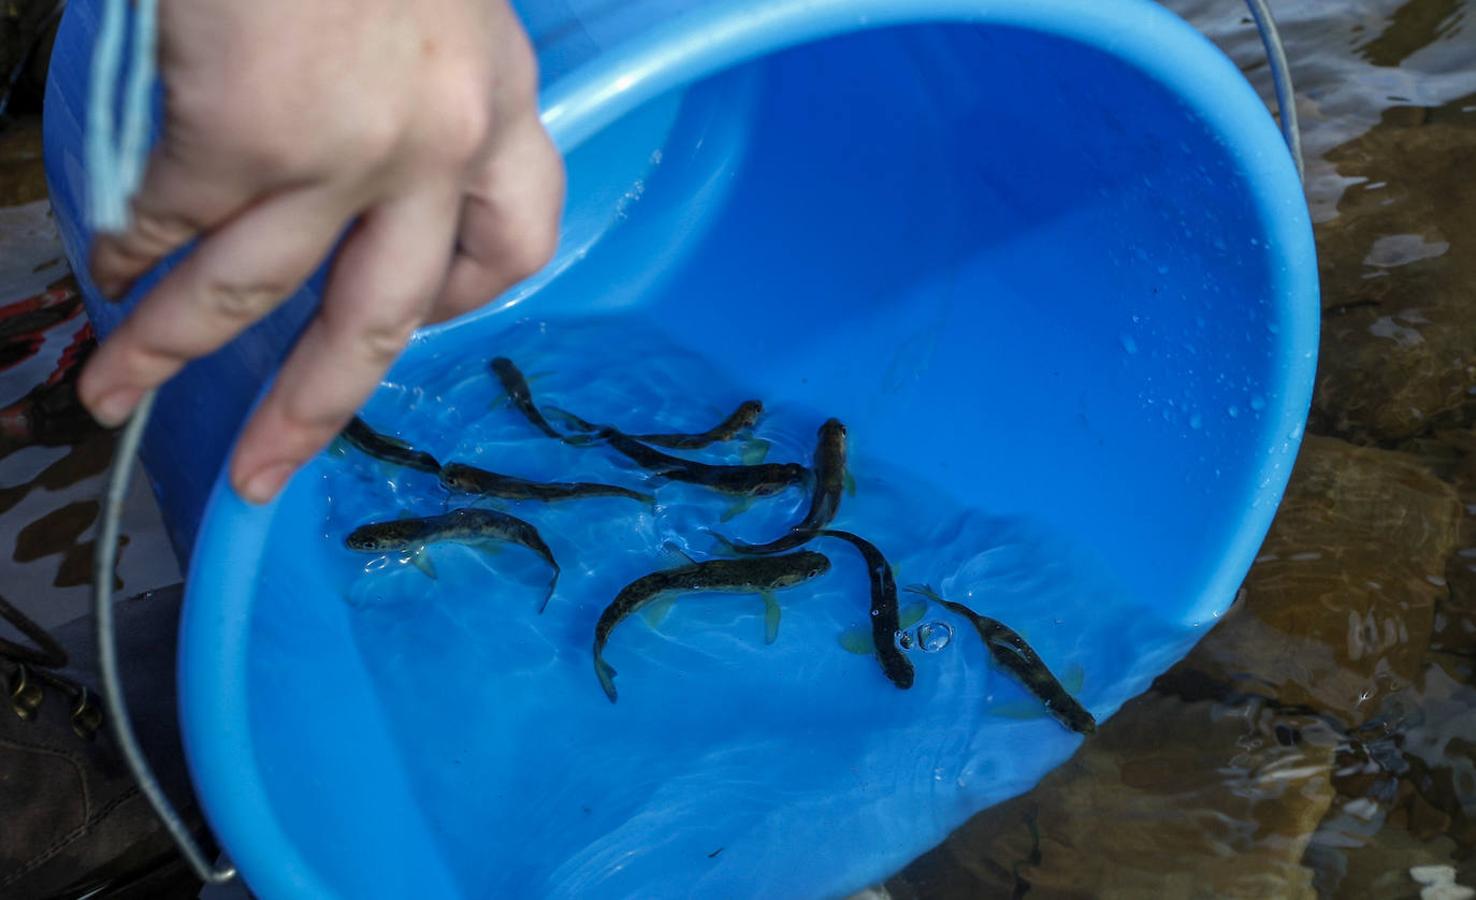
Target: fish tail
{"points": [[553, 585], [606, 673], [925, 591], [728, 543]]}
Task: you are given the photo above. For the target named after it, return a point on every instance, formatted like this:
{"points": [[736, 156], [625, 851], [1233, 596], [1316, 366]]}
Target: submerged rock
{"points": [[1170, 799], [1340, 605], [1398, 337]]}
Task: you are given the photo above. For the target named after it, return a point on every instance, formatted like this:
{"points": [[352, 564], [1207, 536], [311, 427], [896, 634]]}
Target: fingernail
{"points": [[264, 485], [114, 408]]}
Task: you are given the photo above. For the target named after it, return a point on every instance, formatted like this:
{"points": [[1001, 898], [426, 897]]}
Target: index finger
{"points": [[381, 287]]}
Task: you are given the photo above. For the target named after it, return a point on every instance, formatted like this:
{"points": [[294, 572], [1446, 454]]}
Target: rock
{"points": [[1169, 799], [1407, 797], [1398, 338], [1451, 454], [1339, 607]]}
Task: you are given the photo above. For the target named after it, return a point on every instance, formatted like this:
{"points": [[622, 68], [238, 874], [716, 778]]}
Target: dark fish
{"points": [[472, 480], [751, 576], [758, 481], [516, 387], [743, 417], [885, 619], [480, 528], [1016, 657], [830, 481], [359, 435]]}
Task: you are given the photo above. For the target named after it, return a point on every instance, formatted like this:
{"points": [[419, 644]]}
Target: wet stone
{"points": [[1339, 608], [1169, 799], [1406, 792], [1398, 339]]}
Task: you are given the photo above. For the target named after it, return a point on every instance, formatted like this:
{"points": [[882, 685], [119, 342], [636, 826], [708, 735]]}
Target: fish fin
{"points": [[771, 617], [925, 591], [656, 611], [396, 442], [1021, 710], [858, 641], [727, 543], [739, 507], [501, 401], [567, 419], [911, 614], [850, 483], [487, 546], [420, 559], [553, 585], [755, 450], [674, 547], [606, 674], [535, 377], [1073, 679]]}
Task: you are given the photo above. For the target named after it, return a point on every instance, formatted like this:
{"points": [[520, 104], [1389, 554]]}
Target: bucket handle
{"points": [[104, 556], [1286, 101], [120, 474]]}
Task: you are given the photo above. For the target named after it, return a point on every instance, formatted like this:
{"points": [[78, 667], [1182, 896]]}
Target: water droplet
{"points": [[1196, 420], [1129, 344], [1233, 411], [1258, 403], [934, 636], [903, 640], [1273, 328], [876, 612]]}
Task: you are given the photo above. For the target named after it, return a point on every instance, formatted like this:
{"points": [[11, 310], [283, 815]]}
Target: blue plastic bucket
{"points": [[1049, 254]]}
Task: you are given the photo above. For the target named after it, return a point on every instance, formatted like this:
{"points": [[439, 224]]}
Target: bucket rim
{"points": [[214, 684]]}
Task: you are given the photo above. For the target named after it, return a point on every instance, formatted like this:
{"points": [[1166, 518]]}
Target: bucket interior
{"points": [[1018, 268]]}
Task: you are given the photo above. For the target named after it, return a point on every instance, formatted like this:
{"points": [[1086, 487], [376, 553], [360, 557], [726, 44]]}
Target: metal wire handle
{"points": [[105, 555], [1286, 100], [119, 476]]}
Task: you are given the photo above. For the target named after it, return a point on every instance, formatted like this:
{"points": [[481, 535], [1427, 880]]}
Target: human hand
{"points": [[415, 120]]}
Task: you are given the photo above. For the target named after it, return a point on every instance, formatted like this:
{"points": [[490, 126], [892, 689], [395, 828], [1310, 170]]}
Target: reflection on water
{"points": [[1321, 740]]}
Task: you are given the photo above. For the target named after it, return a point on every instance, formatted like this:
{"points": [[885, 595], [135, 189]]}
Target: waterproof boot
{"points": [[73, 822]]}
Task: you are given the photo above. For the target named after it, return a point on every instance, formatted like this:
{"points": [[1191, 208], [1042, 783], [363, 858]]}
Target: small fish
{"points": [[737, 421], [757, 481], [830, 483], [885, 618], [517, 390], [472, 480], [359, 435], [748, 576], [1016, 657], [482, 529]]}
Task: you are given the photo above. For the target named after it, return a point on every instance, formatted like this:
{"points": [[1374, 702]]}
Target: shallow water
{"points": [[1320, 741], [676, 772]]}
